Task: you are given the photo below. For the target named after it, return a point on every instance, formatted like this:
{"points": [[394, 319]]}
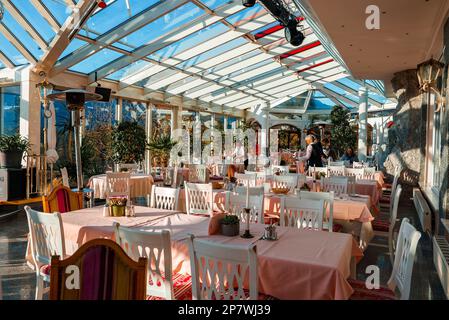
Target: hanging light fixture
{"points": [[429, 74]]}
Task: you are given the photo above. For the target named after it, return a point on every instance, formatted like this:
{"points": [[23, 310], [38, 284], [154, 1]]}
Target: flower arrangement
{"points": [[118, 206]]}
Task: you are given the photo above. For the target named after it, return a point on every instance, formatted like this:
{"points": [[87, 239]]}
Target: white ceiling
{"points": [[410, 33]]}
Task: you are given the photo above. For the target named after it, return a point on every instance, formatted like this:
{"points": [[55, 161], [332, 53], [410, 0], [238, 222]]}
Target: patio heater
{"points": [[75, 99]]}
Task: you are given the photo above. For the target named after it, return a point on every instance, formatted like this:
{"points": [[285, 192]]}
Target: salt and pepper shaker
{"points": [[106, 212], [130, 210], [270, 232]]}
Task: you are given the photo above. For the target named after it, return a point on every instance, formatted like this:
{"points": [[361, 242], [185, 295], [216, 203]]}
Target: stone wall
{"points": [[406, 139]]}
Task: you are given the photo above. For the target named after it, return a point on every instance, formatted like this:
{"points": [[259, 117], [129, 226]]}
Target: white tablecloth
{"points": [[140, 185]]}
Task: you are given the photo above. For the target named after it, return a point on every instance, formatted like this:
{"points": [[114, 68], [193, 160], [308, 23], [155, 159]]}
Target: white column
{"points": [[212, 128], [119, 110], [176, 120], [197, 139], [225, 123], [149, 130], [363, 123], [30, 110]]}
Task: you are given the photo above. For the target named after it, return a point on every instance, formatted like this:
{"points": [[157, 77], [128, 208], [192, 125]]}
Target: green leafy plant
{"points": [[230, 220], [343, 136], [15, 143], [128, 142], [160, 146]]}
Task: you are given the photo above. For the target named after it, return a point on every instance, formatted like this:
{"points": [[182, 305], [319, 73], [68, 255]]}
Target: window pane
{"points": [[134, 111], [10, 110]]}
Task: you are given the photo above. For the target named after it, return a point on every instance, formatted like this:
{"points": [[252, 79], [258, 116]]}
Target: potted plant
{"points": [[230, 226], [118, 206], [128, 143], [12, 149], [160, 146]]}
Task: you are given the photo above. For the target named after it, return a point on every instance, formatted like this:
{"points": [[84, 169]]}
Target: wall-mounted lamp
{"points": [[429, 74]]}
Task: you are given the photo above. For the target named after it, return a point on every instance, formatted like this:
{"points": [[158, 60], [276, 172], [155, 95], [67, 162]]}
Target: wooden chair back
{"points": [[62, 200], [99, 270]]}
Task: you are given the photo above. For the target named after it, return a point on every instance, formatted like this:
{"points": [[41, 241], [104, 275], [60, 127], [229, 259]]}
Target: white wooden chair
{"points": [[237, 202], [302, 214], [156, 247], [199, 199], [263, 177], [387, 200], [339, 185], [246, 179], [401, 275], [385, 228], [281, 169], [369, 173], [118, 184], [220, 271], [336, 164], [47, 240], [164, 198], [221, 170], [65, 177], [358, 165], [358, 173], [313, 170], [198, 173], [328, 198], [336, 171], [285, 181]]}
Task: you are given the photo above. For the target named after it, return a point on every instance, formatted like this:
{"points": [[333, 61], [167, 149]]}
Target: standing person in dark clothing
{"points": [[313, 152]]}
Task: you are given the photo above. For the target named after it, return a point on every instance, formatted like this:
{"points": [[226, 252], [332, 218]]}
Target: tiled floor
{"points": [[17, 281]]}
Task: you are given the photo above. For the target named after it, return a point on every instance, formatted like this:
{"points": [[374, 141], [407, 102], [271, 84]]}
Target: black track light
{"points": [[293, 35], [248, 3]]}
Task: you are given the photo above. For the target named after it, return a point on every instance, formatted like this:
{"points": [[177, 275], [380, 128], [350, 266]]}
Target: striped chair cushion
{"points": [[361, 292], [182, 287], [385, 199], [381, 225]]}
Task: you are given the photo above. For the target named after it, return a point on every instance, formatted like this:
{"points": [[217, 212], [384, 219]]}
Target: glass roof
{"points": [[215, 51]]}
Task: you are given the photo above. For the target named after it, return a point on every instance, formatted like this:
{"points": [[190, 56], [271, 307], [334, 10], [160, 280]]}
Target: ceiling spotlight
{"points": [[293, 35], [102, 4], [248, 3]]}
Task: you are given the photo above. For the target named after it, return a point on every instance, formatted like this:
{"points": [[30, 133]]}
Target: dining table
{"points": [[351, 212], [301, 264], [140, 185]]}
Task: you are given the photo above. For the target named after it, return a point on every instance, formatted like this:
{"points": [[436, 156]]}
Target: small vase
{"points": [[118, 211], [230, 230]]}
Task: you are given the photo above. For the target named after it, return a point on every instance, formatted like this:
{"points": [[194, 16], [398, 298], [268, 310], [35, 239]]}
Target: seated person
{"points": [[350, 156]]}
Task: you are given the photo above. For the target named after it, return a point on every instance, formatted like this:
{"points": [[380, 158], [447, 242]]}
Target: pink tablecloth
{"points": [[364, 187], [140, 185], [353, 209], [300, 265]]}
